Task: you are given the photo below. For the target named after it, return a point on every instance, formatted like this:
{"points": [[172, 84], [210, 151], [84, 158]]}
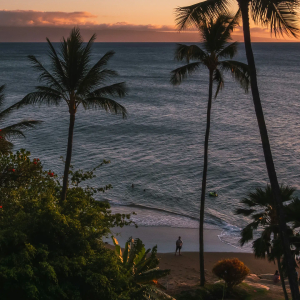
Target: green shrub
{"points": [[53, 250], [232, 271]]}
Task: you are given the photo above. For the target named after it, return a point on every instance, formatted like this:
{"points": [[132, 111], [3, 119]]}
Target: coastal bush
{"points": [[141, 268], [7, 132], [51, 249], [232, 271]]}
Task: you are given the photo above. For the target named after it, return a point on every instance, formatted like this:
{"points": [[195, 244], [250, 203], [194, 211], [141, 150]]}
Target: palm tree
{"points": [[215, 35], [73, 80], [281, 17], [264, 217], [140, 266], [11, 131]]}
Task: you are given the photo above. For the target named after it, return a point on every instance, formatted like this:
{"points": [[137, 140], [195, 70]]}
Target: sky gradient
{"points": [[113, 21]]}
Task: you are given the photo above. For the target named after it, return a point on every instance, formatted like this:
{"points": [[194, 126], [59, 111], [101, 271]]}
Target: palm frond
{"points": [[152, 274], [107, 104], [2, 96], [153, 293], [39, 98], [96, 74], [179, 74], [8, 133], [239, 71], [218, 78], [244, 212], [5, 146], [246, 234], [261, 247], [229, 51], [74, 65], [16, 129], [193, 15], [188, 53], [117, 89], [216, 32], [280, 15], [293, 212], [86, 55], [45, 75], [233, 22]]}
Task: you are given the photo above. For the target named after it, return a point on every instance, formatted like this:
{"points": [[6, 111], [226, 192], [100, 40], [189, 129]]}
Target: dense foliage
{"points": [[141, 267], [51, 249], [232, 271], [10, 131]]}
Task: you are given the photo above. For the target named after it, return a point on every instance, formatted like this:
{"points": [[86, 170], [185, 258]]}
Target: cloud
{"points": [[14, 18], [34, 26]]}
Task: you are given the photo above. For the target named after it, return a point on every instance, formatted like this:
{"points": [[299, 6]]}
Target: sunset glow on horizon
{"points": [[113, 21]]}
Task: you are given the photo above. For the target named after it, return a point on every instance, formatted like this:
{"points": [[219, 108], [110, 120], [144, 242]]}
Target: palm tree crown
{"points": [[215, 34], [11, 131], [73, 80], [264, 220], [262, 211], [279, 15]]}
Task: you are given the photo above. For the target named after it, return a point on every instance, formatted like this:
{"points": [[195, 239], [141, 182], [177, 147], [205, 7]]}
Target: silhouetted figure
{"points": [[132, 185], [276, 277], [178, 245]]}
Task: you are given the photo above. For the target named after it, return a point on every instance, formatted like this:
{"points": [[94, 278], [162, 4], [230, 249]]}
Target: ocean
{"points": [[159, 147]]}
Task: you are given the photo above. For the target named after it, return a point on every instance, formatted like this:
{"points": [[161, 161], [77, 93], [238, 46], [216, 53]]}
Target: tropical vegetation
{"points": [[51, 249], [141, 268], [232, 271], [73, 80], [261, 210], [212, 55], [8, 132], [282, 18]]}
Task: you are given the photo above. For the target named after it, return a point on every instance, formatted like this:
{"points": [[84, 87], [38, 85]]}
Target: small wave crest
{"points": [[157, 217]]}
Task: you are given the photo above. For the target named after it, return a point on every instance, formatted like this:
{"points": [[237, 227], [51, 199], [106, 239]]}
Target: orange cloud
{"points": [[40, 18], [34, 26]]}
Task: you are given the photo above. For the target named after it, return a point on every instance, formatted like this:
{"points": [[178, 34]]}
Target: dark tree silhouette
{"points": [[7, 132], [74, 81], [215, 35], [281, 17], [261, 210]]}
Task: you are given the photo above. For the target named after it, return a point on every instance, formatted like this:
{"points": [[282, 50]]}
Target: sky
{"points": [[111, 20]]}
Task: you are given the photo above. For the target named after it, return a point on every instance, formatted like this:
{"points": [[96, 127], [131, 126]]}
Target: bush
{"points": [[232, 271], [51, 250]]}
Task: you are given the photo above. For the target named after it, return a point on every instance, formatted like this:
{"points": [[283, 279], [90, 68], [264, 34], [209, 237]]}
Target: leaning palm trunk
{"points": [[68, 157], [290, 262], [282, 279], [201, 244]]}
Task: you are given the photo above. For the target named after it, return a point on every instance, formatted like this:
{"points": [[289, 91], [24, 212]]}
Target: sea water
{"points": [[159, 147]]}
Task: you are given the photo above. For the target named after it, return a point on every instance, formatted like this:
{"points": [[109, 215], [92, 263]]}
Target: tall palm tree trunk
{"points": [[68, 158], [267, 153], [201, 225], [282, 279]]}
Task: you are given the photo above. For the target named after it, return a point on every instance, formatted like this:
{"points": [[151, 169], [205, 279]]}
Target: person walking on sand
{"points": [[178, 245]]}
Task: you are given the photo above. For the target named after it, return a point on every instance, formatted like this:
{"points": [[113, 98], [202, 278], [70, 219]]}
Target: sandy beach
{"points": [[185, 268], [165, 237]]}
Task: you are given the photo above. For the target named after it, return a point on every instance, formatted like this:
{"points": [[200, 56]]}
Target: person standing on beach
{"points": [[178, 245]]}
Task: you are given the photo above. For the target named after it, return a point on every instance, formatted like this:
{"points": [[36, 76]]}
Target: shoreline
{"points": [[165, 238], [185, 269]]}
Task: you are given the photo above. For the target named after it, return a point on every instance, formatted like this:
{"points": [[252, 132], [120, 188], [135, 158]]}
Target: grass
{"points": [[241, 292]]}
